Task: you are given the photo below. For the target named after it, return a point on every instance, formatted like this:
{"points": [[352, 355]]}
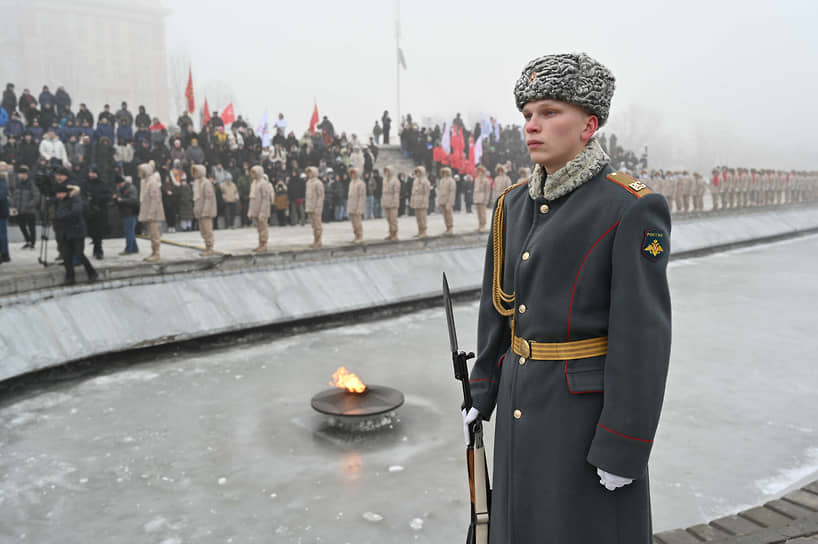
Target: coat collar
{"points": [[577, 171]]}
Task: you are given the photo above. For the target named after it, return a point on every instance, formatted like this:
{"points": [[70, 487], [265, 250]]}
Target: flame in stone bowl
{"points": [[347, 380]]}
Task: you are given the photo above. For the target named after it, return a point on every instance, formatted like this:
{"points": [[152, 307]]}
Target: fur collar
{"points": [[577, 171]]}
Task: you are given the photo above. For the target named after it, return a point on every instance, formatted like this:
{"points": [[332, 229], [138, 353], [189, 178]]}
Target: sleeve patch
{"points": [[653, 244]]}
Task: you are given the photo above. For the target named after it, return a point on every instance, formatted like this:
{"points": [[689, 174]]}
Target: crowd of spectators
{"points": [[102, 152]]}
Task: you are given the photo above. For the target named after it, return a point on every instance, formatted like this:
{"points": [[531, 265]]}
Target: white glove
{"points": [[473, 414], [612, 481]]}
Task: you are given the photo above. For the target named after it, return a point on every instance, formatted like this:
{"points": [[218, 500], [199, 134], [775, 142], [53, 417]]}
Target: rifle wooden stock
{"points": [[478, 488]]}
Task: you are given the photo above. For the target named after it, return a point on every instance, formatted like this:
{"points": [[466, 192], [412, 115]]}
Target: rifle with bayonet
{"points": [[475, 450]]}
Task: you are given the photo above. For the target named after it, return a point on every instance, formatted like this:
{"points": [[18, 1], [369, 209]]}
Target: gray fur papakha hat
{"points": [[569, 77]]}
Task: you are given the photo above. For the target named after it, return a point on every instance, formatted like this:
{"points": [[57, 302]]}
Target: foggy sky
{"points": [[699, 82]]}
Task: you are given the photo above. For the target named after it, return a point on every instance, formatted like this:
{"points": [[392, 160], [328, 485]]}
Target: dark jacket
{"points": [[85, 115], [4, 197], [26, 196], [185, 202], [29, 153], [98, 195], [62, 100], [129, 200], [69, 215], [9, 101], [581, 266]]}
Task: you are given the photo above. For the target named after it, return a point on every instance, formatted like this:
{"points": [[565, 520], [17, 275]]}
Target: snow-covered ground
{"points": [[223, 446]]}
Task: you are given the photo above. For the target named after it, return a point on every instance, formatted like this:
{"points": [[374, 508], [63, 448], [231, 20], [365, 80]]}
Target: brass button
{"points": [[517, 414], [544, 208], [522, 360], [522, 308], [526, 256]]}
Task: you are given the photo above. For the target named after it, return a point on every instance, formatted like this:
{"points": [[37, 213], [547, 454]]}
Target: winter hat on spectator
{"points": [[93, 168], [62, 171], [575, 78], [22, 169]]}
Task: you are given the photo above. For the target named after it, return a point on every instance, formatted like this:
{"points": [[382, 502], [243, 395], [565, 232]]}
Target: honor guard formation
{"points": [[732, 187]]}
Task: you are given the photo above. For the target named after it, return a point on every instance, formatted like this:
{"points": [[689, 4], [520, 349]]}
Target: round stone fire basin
{"points": [[375, 400]]}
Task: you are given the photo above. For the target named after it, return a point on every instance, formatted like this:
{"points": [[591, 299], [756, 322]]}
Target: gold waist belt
{"points": [[559, 351]]}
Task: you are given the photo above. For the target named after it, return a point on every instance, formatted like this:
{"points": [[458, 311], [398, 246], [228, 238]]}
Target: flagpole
{"points": [[397, 57]]}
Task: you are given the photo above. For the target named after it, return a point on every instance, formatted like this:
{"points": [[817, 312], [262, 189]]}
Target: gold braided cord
{"points": [[498, 296]]}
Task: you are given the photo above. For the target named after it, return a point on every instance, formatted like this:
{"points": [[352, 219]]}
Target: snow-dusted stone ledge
{"points": [[45, 328]]}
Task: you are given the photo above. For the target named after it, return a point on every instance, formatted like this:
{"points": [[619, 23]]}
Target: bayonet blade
{"points": [[447, 302]]}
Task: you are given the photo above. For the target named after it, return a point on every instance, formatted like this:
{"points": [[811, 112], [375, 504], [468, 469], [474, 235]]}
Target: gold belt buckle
{"points": [[525, 348]]}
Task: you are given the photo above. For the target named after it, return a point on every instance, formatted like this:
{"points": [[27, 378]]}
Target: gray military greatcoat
{"points": [[586, 265]]}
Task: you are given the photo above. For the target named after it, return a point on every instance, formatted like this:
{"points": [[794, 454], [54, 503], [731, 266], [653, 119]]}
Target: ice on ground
{"points": [[790, 476], [372, 517]]}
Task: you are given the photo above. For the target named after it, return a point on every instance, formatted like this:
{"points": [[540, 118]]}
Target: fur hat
{"points": [[575, 78]]}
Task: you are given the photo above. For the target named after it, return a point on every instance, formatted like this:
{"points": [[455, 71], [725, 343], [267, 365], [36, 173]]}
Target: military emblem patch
{"points": [[653, 244]]}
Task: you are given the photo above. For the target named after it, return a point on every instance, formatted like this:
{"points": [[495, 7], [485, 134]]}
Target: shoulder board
{"points": [[633, 186], [514, 186]]}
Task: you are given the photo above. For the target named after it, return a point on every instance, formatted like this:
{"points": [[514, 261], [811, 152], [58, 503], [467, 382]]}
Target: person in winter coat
{"points": [[62, 101], [127, 202], [98, 196], [204, 206], [230, 196], [5, 211], [261, 198], [573, 339], [151, 210], [26, 202], [9, 99], [71, 229], [52, 148], [386, 123], [524, 174], [281, 202], [420, 199], [185, 193], [445, 199], [501, 183], [390, 200], [356, 204], [314, 204], [482, 194]]}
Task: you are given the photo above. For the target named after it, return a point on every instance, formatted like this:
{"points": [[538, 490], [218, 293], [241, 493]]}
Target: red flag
{"points": [[314, 119], [191, 103], [206, 115], [227, 115]]}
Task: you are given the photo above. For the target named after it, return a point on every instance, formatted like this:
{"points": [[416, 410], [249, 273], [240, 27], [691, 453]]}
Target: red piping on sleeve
{"points": [[483, 380], [500, 362], [624, 435], [571, 306]]}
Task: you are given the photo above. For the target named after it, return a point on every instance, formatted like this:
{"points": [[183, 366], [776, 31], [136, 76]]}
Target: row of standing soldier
{"points": [[732, 187]]}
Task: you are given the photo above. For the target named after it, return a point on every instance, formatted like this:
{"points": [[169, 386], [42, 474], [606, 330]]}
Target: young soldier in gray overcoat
{"points": [[574, 325]]}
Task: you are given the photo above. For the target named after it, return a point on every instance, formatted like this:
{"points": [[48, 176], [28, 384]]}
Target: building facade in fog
{"points": [[102, 52]]}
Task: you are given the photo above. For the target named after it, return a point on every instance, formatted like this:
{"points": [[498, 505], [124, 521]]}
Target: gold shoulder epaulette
{"points": [[634, 186], [507, 189], [500, 298]]}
